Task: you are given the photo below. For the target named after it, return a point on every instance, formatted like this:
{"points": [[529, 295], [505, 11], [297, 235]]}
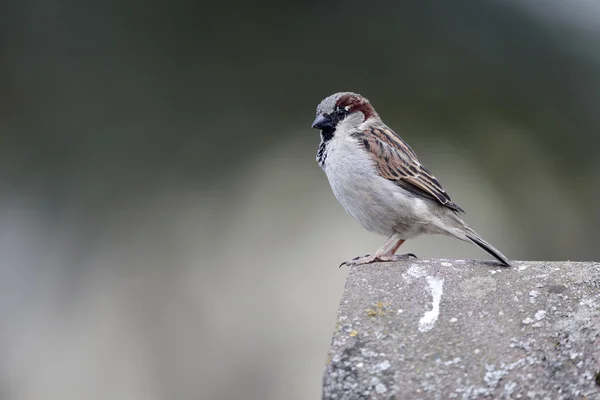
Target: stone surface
{"points": [[445, 329]]}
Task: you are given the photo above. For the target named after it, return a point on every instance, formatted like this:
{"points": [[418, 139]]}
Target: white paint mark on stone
{"points": [[413, 272], [509, 389], [493, 376], [400, 311], [384, 365], [436, 286], [380, 388], [446, 264], [453, 320], [540, 315], [588, 302], [368, 353], [454, 361]]}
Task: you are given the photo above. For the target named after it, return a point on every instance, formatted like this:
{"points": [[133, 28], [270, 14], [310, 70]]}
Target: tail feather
{"points": [[488, 248], [454, 226]]}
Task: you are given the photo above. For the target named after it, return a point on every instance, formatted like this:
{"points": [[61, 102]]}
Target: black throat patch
{"points": [[326, 136]]}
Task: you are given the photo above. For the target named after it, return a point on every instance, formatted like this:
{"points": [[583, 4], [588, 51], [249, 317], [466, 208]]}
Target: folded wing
{"points": [[397, 162]]}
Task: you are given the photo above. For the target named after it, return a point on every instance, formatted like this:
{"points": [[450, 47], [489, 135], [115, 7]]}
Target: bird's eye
{"points": [[341, 111]]}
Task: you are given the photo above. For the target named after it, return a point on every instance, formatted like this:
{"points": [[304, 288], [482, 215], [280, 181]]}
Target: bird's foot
{"points": [[398, 257], [368, 259]]}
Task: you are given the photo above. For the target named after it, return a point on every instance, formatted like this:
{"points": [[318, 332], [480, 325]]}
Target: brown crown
{"points": [[356, 102]]}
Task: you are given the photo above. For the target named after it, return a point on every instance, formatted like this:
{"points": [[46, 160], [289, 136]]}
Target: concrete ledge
{"points": [[443, 329]]}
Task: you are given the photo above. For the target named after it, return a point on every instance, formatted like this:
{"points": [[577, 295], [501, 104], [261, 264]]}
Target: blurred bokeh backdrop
{"points": [[165, 231]]}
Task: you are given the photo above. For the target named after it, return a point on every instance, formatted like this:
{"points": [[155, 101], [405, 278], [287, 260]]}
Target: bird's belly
{"points": [[378, 204]]}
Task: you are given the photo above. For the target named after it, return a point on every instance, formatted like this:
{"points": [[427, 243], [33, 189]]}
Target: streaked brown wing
{"points": [[397, 162]]}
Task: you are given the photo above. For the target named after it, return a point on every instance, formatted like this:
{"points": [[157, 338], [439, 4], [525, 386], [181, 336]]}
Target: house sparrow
{"points": [[380, 181]]}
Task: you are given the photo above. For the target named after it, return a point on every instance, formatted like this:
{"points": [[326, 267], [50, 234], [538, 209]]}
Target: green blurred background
{"points": [[165, 230]]}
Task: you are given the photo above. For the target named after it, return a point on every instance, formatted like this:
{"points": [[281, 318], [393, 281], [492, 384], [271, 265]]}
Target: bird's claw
{"points": [[368, 259], [351, 262]]}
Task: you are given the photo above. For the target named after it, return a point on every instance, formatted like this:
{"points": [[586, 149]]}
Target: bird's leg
{"points": [[391, 256], [384, 253]]}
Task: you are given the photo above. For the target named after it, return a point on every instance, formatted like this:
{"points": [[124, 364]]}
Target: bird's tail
{"points": [[456, 227], [485, 246]]}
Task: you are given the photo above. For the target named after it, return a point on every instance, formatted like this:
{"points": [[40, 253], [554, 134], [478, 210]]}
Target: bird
{"points": [[379, 180]]}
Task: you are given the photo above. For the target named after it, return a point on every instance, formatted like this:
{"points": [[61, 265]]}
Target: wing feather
{"points": [[397, 162]]}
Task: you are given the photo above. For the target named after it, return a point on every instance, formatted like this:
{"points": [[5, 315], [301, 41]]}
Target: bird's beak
{"points": [[322, 122]]}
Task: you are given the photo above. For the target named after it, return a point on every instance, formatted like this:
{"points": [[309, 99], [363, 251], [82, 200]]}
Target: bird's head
{"points": [[342, 112]]}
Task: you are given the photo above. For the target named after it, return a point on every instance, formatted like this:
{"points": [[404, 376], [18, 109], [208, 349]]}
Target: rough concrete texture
{"points": [[455, 329]]}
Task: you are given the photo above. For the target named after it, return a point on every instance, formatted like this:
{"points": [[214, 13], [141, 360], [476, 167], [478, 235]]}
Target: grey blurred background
{"points": [[165, 231]]}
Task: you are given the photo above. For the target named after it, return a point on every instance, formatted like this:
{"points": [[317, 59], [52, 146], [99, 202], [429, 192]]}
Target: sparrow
{"points": [[380, 181]]}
